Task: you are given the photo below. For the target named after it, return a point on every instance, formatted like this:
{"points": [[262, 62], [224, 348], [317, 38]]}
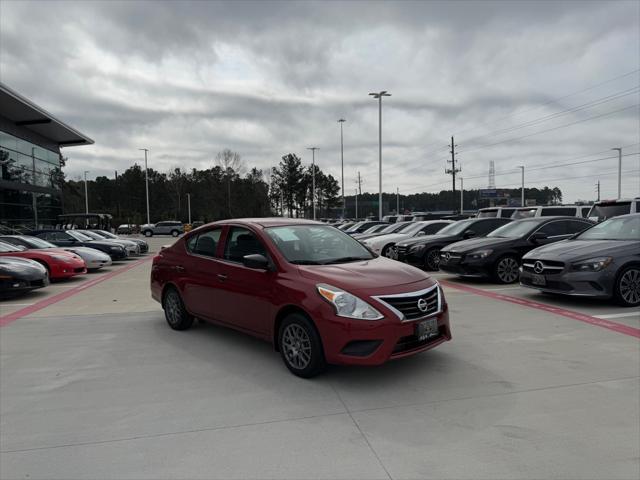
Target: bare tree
{"points": [[232, 167]]}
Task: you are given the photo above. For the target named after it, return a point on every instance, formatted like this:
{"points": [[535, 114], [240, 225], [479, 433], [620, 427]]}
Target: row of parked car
{"points": [[29, 262], [557, 254]]}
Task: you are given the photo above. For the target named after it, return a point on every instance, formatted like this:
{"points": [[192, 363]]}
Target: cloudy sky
{"points": [[540, 84]]}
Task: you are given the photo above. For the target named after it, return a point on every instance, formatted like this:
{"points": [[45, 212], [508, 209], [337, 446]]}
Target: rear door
{"points": [[248, 293]]}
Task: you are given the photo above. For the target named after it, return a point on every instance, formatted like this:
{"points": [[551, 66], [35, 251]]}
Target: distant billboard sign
{"points": [[493, 193]]}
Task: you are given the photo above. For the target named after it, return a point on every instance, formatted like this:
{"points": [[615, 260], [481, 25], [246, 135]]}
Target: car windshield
{"points": [[456, 228], [487, 213], [412, 228], [92, 235], [35, 242], [106, 234], [374, 229], [354, 227], [6, 247], [608, 210], [79, 236], [514, 229], [316, 245], [618, 228], [524, 213]]}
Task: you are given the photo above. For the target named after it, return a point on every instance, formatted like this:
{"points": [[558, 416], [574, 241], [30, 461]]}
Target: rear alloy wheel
{"points": [[177, 316], [390, 251], [432, 259], [300, 346], [507, 270], [148, 233], [627, 289], [175, 233]]}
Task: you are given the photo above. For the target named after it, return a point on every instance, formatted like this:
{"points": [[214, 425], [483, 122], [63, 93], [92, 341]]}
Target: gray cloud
{"points": [[187, 79]]}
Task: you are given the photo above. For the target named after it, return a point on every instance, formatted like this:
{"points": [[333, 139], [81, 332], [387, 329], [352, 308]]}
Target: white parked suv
{"points": [[612, 208], [172, 228], [551, 211]]}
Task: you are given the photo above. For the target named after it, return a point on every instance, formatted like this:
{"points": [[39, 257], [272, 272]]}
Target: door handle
{"points": [[222, 277], [179, 268]]}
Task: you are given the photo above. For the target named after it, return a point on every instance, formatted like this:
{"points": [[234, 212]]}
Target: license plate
{"points": [[427, 329], [538, 280]]}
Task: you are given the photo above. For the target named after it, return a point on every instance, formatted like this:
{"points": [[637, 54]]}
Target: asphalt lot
{"points": [[95, 385]]}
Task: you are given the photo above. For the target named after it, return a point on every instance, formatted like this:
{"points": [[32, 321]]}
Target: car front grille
{"points": [[414, 305], [542, 266], [412, 342]]}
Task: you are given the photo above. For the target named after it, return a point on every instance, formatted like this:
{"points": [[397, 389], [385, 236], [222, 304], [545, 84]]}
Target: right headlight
{"points": [[418, 248], [116, 248], [348, 305], [479, 254], [592, 264]]}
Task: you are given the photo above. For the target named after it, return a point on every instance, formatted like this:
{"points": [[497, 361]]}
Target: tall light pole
{"points": [[461, 195], [341, 121], [86, 193], [522, 193], [146, 181], [619, 171], [379, 96], [313, 178], [356, 204], [189, 206], [398, 200]]}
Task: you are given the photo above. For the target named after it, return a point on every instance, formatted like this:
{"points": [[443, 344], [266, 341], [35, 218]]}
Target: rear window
{"points": [[608, 210], [527, 213], [488, 213], [552, 212]]}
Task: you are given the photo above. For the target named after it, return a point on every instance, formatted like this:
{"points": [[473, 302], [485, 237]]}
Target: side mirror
{"points": [[256, 261], [421, 234], [538, 236], [469, 234]]}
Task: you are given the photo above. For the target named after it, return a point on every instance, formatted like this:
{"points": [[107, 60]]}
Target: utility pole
{"points": [[379, 96], [522, 193], [341, 121], [358, 192], [453, 170], [619, 171], [461, 195], [146, 181], [398, 200], [598, 189], [313, 177], [117, 197], [34, 199], [357, 200], [189, 206], [86, 194]]}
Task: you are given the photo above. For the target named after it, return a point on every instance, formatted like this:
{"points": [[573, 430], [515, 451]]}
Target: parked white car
{"points": [[551, 211], [383, 245]]}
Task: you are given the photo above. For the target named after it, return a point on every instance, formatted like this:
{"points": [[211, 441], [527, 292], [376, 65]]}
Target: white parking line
{"points": [[635, 313], [16, 304]]}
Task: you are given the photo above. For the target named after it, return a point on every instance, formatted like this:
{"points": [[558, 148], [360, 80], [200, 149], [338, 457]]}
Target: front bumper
{"points": [[15, 286], [464, 268], [95, 264], [117, 254], [587, 284], [67, 269], [362, 342]]}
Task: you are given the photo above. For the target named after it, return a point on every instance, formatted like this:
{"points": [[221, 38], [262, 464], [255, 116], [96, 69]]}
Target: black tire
{"points": [[387, 251], [300, 346], [627, 288], [174, 312], [148, 233], [175, 233], [432, 259], [507, 269]]}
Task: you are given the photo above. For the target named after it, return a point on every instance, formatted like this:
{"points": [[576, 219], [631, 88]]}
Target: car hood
{"points": [[477, 243], [386, 238], [377, 274], [575, 249], [102, 243], [425, 239], [21, 266], [87, 251]]}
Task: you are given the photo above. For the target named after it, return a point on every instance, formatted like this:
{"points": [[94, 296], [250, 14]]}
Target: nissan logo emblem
{"points": [[538, 267], [422, 305]]}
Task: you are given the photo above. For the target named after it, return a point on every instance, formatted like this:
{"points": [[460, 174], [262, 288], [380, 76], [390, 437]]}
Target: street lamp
{"points": [[341, 121], [379, 96], [619, 171], [146, 181], [522, 193], [313, 178], [86, 195], [189, 206]]}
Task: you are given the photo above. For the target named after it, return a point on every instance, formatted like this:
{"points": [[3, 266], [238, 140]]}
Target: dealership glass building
{"points": [[31, 162]]}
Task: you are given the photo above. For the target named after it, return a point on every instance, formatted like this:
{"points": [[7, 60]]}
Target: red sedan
{"points": [[59, 264], [315, 292]]}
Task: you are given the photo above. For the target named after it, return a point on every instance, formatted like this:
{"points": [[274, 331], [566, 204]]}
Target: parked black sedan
{"points": [[498, 255], [424, 252], [20, 275], [601, 262], [70, 238]]}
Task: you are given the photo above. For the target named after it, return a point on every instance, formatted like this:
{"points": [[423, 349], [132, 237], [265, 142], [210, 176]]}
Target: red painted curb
{"points": [[12, 317], [581, 317]]}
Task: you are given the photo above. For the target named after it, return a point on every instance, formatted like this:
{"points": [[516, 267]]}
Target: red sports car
{"points": [[59, 264], [313, 291]]}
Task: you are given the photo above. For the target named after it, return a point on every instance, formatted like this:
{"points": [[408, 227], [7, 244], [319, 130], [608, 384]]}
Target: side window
{"points": [[433, 228], [241, 242], [575, 227], [553, 229], [507, 212], [552, 212], [207, 242], [483, 227]]}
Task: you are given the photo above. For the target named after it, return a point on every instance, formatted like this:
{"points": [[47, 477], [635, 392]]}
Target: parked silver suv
{"points": [[172, 228]]}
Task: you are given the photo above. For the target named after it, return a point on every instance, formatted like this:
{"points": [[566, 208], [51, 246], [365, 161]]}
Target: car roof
{"points": [[552, 217], [268, 222]]}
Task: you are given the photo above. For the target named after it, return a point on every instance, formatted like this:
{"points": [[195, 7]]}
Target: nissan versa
{"points": [[313, 291], [603, 261], [498, 255]]}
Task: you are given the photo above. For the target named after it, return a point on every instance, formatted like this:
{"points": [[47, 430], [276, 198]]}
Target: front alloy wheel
{"points": [[432, 259], [390, 251], [507, 270], [627, 291], [300, 346]]}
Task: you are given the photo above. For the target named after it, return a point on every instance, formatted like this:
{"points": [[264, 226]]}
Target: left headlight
{"points": [[348, 305], [116, 248], [480, 254], [62, 258], [592, 264]]}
